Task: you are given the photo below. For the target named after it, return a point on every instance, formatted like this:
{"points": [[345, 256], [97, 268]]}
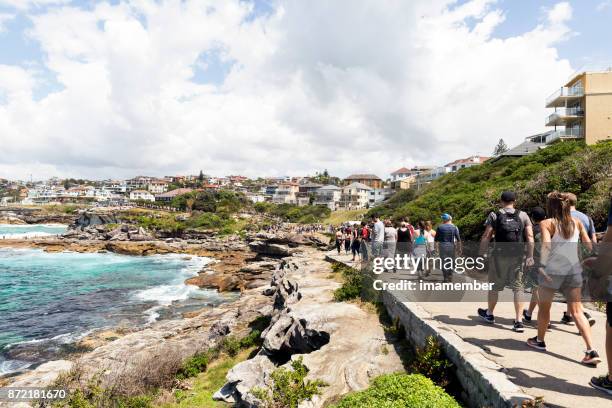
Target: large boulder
{"points": [[91, 218], [243, 378], [289, 335], [270, 249]]}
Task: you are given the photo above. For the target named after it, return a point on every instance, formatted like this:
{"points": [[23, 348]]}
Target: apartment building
{"points": [[583, 107]]}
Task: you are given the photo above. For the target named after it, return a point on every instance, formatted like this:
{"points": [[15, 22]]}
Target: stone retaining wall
{"points": [[484, 381]]}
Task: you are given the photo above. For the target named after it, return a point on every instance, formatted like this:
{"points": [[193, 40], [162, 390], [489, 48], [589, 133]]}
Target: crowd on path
{"points": [[547, 251]]}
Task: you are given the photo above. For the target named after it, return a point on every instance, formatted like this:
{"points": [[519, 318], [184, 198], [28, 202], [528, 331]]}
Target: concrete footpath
{"points": [[556, 375]]}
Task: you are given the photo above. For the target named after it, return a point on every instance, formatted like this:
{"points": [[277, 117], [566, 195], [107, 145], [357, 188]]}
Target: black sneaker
{"points": [[590, 319], [526, 316], [602, 383], [533, 342], [591, 358], [489, 318], [518, 327], [567, 319]]}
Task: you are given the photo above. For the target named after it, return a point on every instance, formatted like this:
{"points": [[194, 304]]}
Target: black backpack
{"points": [[508, 227]]}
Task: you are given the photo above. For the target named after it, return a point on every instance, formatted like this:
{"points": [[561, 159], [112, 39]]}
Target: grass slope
{"points": [[208, 382], [340, 216], [469, 194]]}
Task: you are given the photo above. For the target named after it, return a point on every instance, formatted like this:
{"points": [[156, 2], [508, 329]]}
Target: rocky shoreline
{"points": [[282, 277]]}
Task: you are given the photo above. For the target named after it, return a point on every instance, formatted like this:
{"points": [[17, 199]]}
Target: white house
{"points": [[378, 195], [355, 196], [141, 195], [328, 196], [158, 186]]}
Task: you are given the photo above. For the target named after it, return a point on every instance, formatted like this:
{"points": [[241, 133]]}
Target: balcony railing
{"points": [[570, 133], [558, 117], [565, 92]]}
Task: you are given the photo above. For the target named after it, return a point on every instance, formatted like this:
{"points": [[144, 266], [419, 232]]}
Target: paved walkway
{"points": [[556, 375]]}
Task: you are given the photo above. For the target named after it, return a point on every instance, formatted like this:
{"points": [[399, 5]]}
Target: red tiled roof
{"points": [[401, 170]]}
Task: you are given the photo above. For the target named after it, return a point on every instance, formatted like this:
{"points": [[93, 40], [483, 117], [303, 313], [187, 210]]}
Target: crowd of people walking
{"points": [[544, 251]]}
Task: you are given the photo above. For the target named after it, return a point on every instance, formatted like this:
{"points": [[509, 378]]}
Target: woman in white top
{"points": [[430, 236], [562, 271]]}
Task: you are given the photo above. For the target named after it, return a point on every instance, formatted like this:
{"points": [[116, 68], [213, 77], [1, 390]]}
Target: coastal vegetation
{"points": [[469, 194], [400, 390], [144, 388], [289, 387]]}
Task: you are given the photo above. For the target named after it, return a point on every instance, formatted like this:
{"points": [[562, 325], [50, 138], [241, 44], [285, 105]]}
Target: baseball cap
{"points": [[446, 217], [538, 214], [508, 196]]}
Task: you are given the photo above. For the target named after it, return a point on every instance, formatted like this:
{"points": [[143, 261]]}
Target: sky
{"points": [[114, 89]]}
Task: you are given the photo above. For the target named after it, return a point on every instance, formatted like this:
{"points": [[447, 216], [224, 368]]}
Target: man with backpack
{"points": [[511, 228]]}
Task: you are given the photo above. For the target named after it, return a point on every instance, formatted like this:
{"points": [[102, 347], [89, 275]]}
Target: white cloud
{"points": [[4, 18], [28, 4], [604, 5], [348, 86]]}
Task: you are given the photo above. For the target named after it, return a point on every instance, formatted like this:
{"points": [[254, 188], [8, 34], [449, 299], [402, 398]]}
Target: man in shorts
{"points": [[511, 229]]}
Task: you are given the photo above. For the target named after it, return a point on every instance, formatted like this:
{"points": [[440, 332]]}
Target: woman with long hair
{"points": [[420, 247], [561, 270]]}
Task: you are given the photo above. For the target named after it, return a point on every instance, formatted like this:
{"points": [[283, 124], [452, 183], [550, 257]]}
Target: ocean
{"points": [[30, 230], [50, 300]]}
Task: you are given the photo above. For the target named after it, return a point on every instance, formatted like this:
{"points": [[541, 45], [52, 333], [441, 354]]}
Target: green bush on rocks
{"points": [[400, 391]]}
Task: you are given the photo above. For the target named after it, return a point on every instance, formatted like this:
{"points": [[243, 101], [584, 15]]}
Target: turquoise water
{"points": [[48, 300], [30, 230]]}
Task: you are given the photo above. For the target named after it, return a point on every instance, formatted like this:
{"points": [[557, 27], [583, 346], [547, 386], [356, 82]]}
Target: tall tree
{"points": [[500, 148], [201, 177]]}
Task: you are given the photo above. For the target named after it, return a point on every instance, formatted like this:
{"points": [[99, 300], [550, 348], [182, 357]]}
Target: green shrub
{"points": [[352, 284], [469, 194], [432, 363], [289, 387], [400, 391], [194, 365]]}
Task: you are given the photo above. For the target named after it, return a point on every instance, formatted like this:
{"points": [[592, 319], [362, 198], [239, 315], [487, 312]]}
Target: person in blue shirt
{"points": [[448, 241]]}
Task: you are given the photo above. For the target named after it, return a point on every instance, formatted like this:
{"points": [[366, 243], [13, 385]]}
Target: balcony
{"points": [[571, 133], [563, 116], [561, 96]]}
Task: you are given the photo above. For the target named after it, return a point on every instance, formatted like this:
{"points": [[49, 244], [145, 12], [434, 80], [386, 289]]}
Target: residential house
{"points": [[286, 193], [306, 193], [328, 196], [404, 183], [531, 145], [158, 186], [404, 172], [427, 177], [141, 195], [378, 195], [138, 183], [369, 180], [170, 195], [467, 162], [355, 196]]}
